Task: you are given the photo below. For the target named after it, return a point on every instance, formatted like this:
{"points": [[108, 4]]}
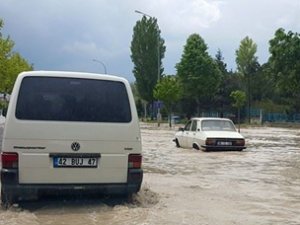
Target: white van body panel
{"points": [[35, 140]]}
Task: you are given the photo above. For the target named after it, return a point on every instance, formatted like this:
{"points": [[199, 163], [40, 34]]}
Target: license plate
{"points": [[75, 162], [226, 143]]}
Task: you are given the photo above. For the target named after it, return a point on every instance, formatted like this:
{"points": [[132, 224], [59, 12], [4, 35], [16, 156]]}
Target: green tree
{"points": [[16, 64], [247, 65], [6, 46], [198, 72], [239, 98], [221, 95], [137, 99], [11, 63], [147, 52], [168, 90], [220, 62], [285, 64]]}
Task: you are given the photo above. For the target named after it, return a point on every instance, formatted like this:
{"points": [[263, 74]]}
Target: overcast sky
{"points": [[68, 34]]}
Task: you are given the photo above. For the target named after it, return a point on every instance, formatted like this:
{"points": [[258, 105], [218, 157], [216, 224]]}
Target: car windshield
{"points": [[217, 125]]}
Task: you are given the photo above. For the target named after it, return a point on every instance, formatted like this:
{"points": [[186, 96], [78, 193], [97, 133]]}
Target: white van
{"points": [[70, 131]]}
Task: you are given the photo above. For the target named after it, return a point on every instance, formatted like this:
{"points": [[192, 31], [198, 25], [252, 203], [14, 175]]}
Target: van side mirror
{"points": [[4, 112], [181, 129]]}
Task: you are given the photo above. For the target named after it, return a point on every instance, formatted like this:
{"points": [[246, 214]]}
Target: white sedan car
{"points": [[210, 134]]}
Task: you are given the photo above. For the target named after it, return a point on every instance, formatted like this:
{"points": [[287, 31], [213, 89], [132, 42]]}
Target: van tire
{"points": [[6, 199], [129, 197]]}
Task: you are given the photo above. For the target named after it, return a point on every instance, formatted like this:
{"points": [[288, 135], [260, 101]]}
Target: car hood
{"points": [[222, 134]]}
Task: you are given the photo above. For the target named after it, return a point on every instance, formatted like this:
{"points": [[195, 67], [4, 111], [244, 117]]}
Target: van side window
{"points": [[73, 99]]}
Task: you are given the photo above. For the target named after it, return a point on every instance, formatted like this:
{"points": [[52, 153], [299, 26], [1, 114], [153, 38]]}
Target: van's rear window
{"points": [[72, 99]]}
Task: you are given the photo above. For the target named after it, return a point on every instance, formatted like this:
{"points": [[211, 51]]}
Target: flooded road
{"points": [[260, 185]]}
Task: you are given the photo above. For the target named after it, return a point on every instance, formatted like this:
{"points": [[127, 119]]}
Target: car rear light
{"points": [[9, 160], [240, 142], [210, 141], [134, 161]]}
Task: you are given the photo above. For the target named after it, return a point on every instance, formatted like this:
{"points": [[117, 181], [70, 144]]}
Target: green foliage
{"points": [[11, 63], [247, 66], [3, 104], [239, 98], [262, 85], [137, 99], [270, 107], [245, 56], [168, 90], [285, 64], [147, 51], [221, 64], [230, 81], [197, 71]]}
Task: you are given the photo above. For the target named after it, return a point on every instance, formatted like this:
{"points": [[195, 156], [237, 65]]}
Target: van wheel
{"points": [[177, 143], [129, 197], [6, 199]]}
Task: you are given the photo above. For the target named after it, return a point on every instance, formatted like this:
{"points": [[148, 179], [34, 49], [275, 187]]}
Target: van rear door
{"points": [[72, 129]]}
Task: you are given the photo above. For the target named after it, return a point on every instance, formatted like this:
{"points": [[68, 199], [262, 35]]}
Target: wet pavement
{"points": [[260, 185]]}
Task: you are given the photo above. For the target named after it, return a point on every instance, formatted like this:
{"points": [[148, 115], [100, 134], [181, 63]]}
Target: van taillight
{"points": [[134, 161], [9, 160]]}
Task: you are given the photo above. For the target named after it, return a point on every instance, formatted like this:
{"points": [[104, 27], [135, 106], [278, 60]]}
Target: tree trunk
{"points": [[170, 116], [249, 100], [198, 107], [145, 111], [239, 121]]}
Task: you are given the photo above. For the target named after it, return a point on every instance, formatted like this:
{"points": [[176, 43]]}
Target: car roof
{"points": [[210, 118]]}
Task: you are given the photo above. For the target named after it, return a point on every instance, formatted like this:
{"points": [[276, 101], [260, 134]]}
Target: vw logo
{"points": [[75, 146]]}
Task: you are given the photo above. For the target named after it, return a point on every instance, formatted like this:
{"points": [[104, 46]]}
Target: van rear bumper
{"points": [[11, 187]]}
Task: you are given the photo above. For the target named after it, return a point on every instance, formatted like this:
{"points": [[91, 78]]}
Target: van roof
{"points": [[70, 74]]}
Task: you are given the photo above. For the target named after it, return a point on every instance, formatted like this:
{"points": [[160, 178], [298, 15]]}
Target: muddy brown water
{"points": [[260, 185]]}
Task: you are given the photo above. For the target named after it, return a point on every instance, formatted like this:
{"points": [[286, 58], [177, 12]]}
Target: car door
{"points": [[185, 135], [192, 134]]}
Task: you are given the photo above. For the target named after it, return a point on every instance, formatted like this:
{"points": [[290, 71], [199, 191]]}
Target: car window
{"points": [[227, 126], [217, 125], [188, 125], [194, 125], [72, 99]]}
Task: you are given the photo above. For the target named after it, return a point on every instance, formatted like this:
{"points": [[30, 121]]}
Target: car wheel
{"points": [[177, 143], [195, 146]]}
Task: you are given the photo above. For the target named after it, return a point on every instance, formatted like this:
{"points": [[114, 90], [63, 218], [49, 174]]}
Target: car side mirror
{"points": [[4, 112], [181, 129]]}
